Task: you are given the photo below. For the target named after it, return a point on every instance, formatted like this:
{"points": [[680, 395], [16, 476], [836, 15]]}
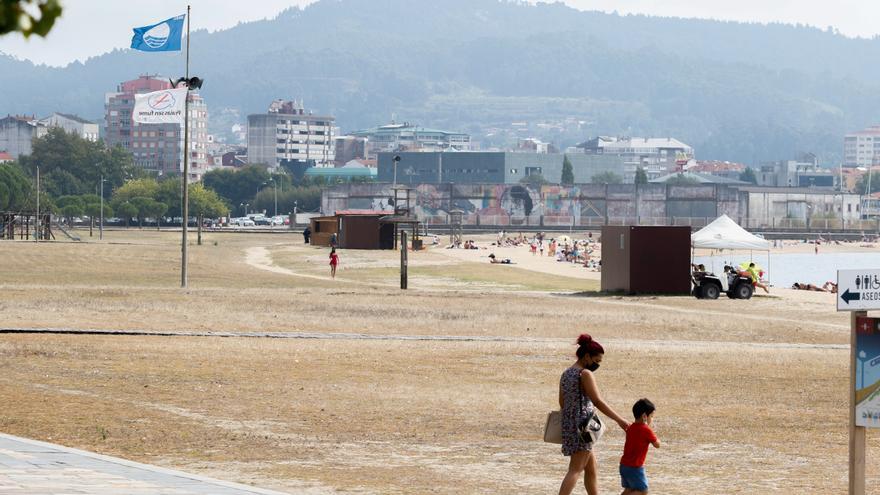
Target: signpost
{"points": [[859, 291]]}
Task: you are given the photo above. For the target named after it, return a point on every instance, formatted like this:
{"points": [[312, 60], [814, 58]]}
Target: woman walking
{"points": [[578, 398], [334, 260]]}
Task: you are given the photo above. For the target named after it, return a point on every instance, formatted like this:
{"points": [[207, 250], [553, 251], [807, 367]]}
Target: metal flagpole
{"points": [[185, 163]]}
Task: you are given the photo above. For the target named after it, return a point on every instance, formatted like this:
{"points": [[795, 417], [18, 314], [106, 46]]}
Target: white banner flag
{"points": [[160, 107]]}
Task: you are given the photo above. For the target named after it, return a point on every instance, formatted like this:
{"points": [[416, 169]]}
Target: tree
{"points": [[143, 205], [72, 165], [606, 178], [138, 188], [534, 180], [862, 184], [127, 210], [641, 176], [156, 209], [204, 202], [16, 17], [15, 188], [748, 175], [567, 172], [237, 186]]}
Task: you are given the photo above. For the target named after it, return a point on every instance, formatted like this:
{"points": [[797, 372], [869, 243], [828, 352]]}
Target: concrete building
{"points": [[791, 206], [289, 135], [157, 147], [83, 128], [17, 134], [862, 148], [410, 137], [801, 172], [350, 148], [490, 167], [657, 156]]}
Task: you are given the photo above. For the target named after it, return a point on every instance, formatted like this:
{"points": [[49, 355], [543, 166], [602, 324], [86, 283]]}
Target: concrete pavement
{"points": [[30, 467]]}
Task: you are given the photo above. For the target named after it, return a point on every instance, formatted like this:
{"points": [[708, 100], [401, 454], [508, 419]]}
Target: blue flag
{"points": [[162, 37]]}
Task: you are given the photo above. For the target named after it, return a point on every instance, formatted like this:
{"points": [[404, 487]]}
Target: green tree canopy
{"points": [[71, 165], [237, 186], [641, 176], [606, 178], [206, 202], [567, 172], [15, 188], [748, 175], [16, 17], [138, 188]]}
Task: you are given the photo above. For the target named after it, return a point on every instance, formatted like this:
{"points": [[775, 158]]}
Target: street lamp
{"points": [[275, 189], [396, 160], [101, 225]]}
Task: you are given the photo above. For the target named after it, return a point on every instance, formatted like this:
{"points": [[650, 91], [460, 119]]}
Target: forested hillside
{"points": [[734, 91]]}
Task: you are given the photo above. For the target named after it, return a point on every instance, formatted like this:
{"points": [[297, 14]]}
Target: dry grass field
{"points": [[439, 389]]}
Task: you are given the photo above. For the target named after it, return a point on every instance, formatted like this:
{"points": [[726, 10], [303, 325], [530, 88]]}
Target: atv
{"points": [[710, 286]]}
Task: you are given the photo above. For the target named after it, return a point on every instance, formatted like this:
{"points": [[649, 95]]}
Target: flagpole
{"points": [[185, 163]]}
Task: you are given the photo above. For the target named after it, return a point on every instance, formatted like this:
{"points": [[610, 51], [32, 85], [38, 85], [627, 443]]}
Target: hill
{"points": [[734, 91]]}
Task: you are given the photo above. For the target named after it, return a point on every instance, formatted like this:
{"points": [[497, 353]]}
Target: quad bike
{"points": [[710, 286]]}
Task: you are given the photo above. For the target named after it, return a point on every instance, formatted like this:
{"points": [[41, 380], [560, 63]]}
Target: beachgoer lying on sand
{"points": [[803, 286], [830, 287], [505, 261]]}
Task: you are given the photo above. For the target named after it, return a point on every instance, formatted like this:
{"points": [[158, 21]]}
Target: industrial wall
{"points": [[549, 205]]}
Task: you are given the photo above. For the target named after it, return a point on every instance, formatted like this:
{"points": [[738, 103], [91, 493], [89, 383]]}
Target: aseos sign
{"points": [[858, 290]]}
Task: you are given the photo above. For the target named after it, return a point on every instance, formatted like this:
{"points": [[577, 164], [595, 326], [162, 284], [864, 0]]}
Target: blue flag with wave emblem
{"points": [[162, 37]]}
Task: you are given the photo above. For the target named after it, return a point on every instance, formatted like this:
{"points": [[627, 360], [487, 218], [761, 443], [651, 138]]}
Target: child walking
{"points": [[638, 436], [334, 260]]}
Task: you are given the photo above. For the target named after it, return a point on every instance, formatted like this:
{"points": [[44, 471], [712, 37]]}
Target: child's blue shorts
{"points": [[633, 478]]}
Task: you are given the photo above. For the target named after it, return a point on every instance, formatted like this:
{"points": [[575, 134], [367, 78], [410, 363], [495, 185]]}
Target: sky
{"points": [[93, 27]]}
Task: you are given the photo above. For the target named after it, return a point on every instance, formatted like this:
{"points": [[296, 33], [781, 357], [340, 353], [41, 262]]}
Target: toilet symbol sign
{"points": [[858, 290]]}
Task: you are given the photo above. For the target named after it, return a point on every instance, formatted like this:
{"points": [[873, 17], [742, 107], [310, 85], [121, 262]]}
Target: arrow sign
{"points": [[848, 296], [859, 289]]}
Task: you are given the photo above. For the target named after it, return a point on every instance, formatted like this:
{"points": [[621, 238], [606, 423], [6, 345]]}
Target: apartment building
{"points": [[73, 124], [157, 147], [289, 135]]}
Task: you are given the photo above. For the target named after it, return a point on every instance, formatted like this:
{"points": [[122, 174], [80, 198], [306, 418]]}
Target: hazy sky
{"points": [[93, 27]]}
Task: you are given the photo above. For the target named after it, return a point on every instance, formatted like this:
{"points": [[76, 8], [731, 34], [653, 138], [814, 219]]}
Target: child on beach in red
{"points": [[638, 436], [334, 260]]}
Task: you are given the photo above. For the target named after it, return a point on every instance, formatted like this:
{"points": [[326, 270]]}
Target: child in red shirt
{"points": [[635, 450], [334, 260]]}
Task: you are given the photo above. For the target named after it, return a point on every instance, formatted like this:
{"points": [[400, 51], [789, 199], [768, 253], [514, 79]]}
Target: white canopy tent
{"points": [[724, 233]]}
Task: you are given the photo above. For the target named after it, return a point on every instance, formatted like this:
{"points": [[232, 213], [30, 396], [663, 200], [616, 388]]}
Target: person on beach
{"points": [[756, 279], [635, 450], [579, 397], [334, 261]]}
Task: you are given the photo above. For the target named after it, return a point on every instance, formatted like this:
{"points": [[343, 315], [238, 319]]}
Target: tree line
{"points": [[72, 169]]}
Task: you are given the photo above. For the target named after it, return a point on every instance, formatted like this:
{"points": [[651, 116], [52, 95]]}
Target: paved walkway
{"points": [[29, 467]]}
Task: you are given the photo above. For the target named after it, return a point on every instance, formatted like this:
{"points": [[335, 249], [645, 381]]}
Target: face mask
{"points": [[592, 367]]}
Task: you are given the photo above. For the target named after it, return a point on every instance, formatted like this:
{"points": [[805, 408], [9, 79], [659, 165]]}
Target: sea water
{"points": [[784, 269]]}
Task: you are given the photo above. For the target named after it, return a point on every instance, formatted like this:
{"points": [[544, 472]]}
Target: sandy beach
{"points": [[439, 389]]}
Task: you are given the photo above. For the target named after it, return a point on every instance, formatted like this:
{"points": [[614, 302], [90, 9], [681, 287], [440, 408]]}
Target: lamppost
{"points": [[396, 160], [295, 204], [101, 225], [275, 190]]}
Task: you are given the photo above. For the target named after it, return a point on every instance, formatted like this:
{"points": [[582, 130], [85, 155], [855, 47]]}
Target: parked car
{"points": [[243, 222], [278, 220]]}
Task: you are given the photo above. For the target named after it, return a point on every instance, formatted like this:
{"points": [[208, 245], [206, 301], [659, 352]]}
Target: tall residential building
{"points": [[862, 148], [17, 134], [289, 135], [410, 137], [349, 148], [157, 147], [657, 156], [83, 128]]}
